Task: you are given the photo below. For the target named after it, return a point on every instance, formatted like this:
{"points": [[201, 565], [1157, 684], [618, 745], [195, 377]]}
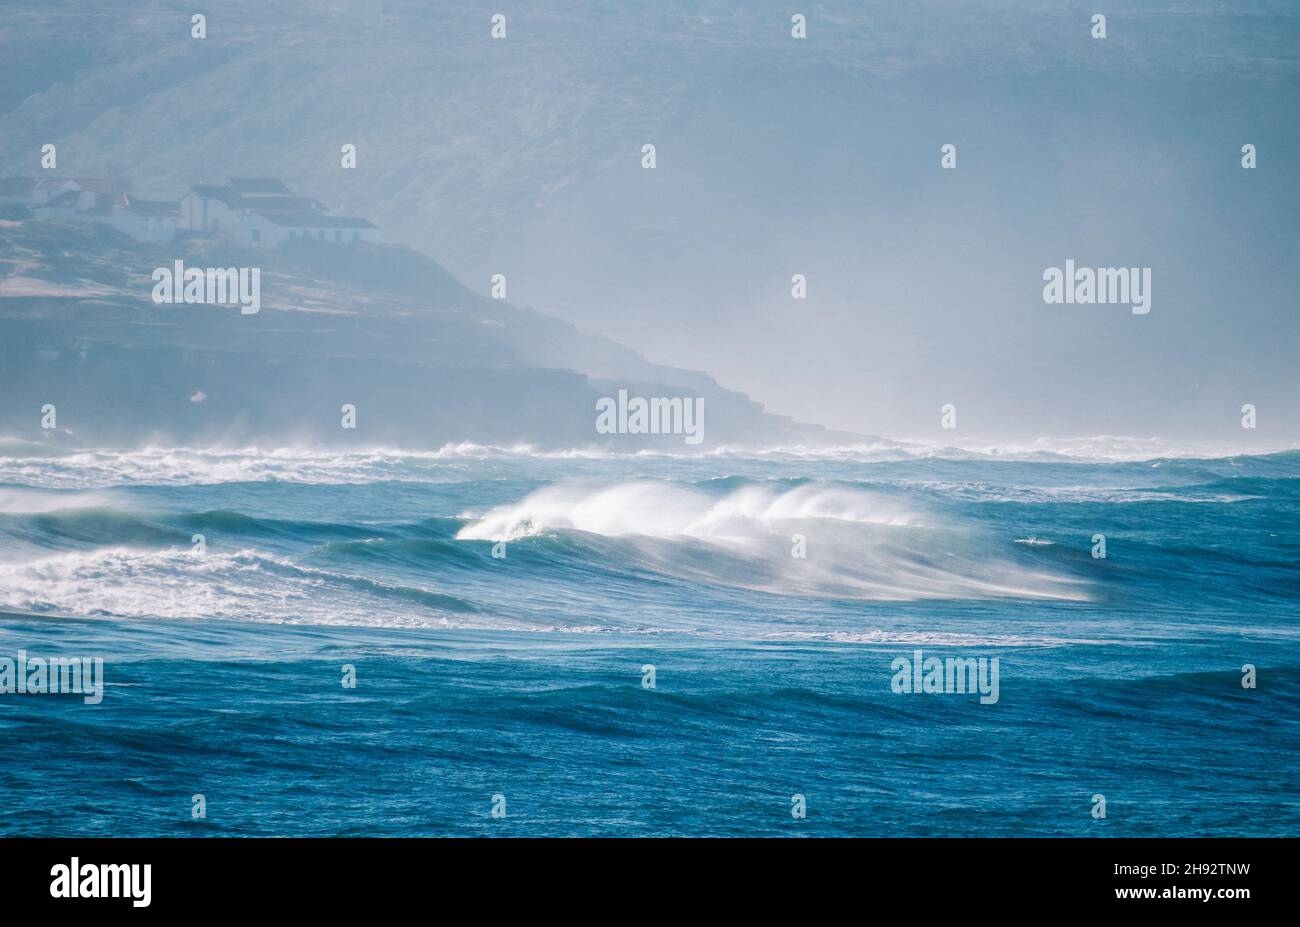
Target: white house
{"points": [[69, 204], [271, 227], [47, 188], [209, 208], [33, 192], [256, 211], [143, 220], [263, 212]]}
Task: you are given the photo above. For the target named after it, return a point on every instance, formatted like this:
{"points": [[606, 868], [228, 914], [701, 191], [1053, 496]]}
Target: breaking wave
{"points": [[818, 540]]}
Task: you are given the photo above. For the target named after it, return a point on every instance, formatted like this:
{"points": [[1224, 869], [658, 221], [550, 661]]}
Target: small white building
{"points": [[143, 220], [263, 212], [271, 227], [209, 208], [47, 188], [34, 192], [255, 211], [69, 204]]}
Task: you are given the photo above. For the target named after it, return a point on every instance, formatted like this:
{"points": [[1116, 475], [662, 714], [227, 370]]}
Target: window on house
{"points": [[356, 236], [338, 236]]}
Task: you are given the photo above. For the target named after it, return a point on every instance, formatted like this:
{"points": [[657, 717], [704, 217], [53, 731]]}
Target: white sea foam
{"points": [[37, 465], [983, 491], [36, 502], [1098, 449], [931, 638], [857, 544], [243, 585], [90, 469], [657, 509]]}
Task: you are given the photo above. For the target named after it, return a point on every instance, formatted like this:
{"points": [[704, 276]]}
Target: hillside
{"points": [[382, 327], [776, 156], [461, 137]]}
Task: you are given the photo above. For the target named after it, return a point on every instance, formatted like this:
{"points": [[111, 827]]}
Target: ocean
{"points": [[497, 641]]}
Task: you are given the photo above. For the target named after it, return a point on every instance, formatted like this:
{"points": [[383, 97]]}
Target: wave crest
{"points": [[816, 539]]}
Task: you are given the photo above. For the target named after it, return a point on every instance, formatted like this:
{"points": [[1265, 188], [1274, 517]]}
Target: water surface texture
{"points": [[521, 680]]}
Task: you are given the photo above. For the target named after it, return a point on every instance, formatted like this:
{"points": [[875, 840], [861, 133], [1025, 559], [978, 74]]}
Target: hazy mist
{"points": [[775, 157]]}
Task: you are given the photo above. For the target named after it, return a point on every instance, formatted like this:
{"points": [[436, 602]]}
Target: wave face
{"points": [[814, 539]]}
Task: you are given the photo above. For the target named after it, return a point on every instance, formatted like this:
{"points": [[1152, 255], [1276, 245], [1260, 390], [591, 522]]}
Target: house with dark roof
{"points": [[263, 212], [40, 191], [257, 211], [47, 188], [66, 204], [271, 227], [210, 208], [90, 199]]}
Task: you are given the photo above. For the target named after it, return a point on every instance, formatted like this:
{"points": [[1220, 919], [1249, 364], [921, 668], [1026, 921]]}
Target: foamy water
{"points": [[756, 545], [33, 464]]}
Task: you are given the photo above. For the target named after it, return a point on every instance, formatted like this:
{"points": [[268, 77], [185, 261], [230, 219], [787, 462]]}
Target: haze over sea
{"points": [[522, 675]]}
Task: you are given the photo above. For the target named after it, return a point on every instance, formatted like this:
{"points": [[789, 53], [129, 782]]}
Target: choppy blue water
{"points": [[522, 675]]}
